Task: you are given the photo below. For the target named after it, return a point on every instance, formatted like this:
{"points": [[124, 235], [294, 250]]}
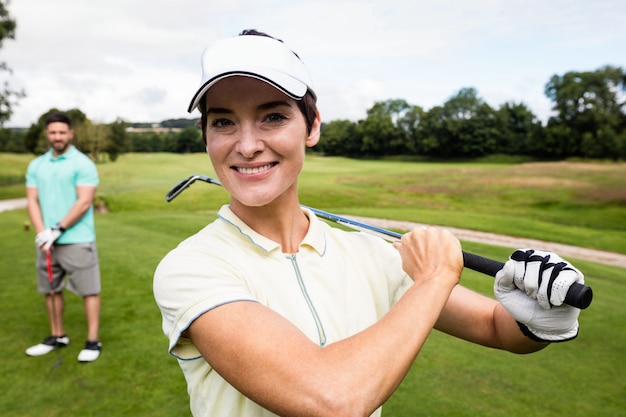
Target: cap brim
{"points": [[259, 57], [285, 83]]}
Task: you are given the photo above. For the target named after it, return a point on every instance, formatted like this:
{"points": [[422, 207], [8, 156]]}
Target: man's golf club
{"points": [[53, 309], [578, 295]]}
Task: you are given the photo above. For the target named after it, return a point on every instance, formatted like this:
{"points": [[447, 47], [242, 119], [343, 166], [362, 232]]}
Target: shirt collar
{"points": [[314, 238], [64, 155]]}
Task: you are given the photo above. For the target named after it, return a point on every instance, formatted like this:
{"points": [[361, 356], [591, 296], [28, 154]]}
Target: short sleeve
{"points": [[87, 174], [31, 173], [187, 284]]}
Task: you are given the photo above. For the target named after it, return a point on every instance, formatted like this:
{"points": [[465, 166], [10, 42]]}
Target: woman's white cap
{"points": [[261, 57]]}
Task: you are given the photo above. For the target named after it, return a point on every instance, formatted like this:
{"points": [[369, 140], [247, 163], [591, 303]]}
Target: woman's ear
{"points": [[314, 135]]}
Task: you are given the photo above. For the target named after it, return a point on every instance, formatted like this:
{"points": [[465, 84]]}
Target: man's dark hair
{"points": [[58, 118]]}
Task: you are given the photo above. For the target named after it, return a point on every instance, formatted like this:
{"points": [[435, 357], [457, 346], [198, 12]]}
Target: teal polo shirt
{"points": [[56, 180]]}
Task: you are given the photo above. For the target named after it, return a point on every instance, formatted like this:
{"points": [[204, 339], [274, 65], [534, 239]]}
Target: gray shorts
{"points": [[79, 262]]}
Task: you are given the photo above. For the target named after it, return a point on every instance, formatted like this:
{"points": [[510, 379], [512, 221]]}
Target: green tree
{"points": [[8, 96], [167, 142], [480, 135], [555, 144], [465, 126], [91, 138], [591, 108], [339, 137], [520, 128], [189, 140], [620, 151], [12, 140], [135, 143], [146, 142], [33, 137], [381, 132], [433, 133], [409, 124], [117, 140], [181, 123]]}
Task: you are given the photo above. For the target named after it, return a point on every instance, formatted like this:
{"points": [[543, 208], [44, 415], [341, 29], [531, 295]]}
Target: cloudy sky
{"points": [[139, 59]]}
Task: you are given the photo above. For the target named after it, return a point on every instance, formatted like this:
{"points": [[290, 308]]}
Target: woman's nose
{"points": [[250, 142]]}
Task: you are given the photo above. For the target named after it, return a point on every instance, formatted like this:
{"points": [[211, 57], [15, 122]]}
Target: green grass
{"points": [[135, 376], [561, 201]]}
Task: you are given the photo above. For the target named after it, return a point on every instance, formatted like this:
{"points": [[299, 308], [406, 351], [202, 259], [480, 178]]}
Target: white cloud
{"points": [[139, 59]]}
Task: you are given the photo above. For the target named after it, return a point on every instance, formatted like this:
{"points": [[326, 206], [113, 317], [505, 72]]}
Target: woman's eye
{"points": [[275, 117], [221, 123]]}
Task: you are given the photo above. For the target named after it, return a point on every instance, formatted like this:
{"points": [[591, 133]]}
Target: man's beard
{"points": [[60, 147]]}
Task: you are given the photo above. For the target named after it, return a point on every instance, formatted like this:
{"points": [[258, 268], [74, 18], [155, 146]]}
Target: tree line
{"points": [[105, 142], [589, 122]]}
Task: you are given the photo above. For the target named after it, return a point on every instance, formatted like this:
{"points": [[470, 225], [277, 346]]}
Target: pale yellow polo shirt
{"points": [[336, 285]]}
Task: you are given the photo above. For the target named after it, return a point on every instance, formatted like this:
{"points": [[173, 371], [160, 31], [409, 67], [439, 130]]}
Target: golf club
{"points": [[53, 309], [578, 295]]}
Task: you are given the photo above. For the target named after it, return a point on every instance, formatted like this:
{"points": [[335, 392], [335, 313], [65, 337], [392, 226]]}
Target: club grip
{"points": [[578, 295]]}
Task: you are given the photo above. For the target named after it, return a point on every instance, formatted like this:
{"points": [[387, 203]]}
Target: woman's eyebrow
{"points": [[264, 106], [273, 104], [217, 110]]}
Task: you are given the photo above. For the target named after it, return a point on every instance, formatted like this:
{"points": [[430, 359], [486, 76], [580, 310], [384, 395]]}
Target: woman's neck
{"points": [[285, 224]]}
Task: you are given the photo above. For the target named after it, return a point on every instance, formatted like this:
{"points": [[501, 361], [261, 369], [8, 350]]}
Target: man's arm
{"points": [[46, 237], [85, 195], [34, 209]]}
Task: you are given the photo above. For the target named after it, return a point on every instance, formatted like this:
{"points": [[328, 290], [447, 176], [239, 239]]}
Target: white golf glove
{"points": [[531, 287], [47, 237]]}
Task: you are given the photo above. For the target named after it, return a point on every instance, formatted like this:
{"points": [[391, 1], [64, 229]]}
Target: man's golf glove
{"points": [[47, 237], [532, 287]]}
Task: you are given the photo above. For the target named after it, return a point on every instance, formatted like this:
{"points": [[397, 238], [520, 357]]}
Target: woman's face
{"points": [[256, 139]]}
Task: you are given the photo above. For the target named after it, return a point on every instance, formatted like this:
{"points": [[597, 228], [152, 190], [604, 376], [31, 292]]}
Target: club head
{"points": [[184, 184], [59, 360], [58, 363]]}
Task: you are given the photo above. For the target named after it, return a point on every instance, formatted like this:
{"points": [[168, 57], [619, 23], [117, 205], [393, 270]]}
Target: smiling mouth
{"points": [[249, 171]]}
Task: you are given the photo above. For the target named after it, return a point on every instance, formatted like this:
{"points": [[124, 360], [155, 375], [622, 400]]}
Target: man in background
{"points": [[60, 187]]}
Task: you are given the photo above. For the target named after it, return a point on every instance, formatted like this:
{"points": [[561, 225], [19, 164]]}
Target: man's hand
{"points": [[46, 238], [532, 287]]}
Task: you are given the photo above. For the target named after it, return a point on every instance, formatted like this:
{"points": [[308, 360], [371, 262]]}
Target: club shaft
{"points": [[53, 312], [52, 293], [578, 295]]}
